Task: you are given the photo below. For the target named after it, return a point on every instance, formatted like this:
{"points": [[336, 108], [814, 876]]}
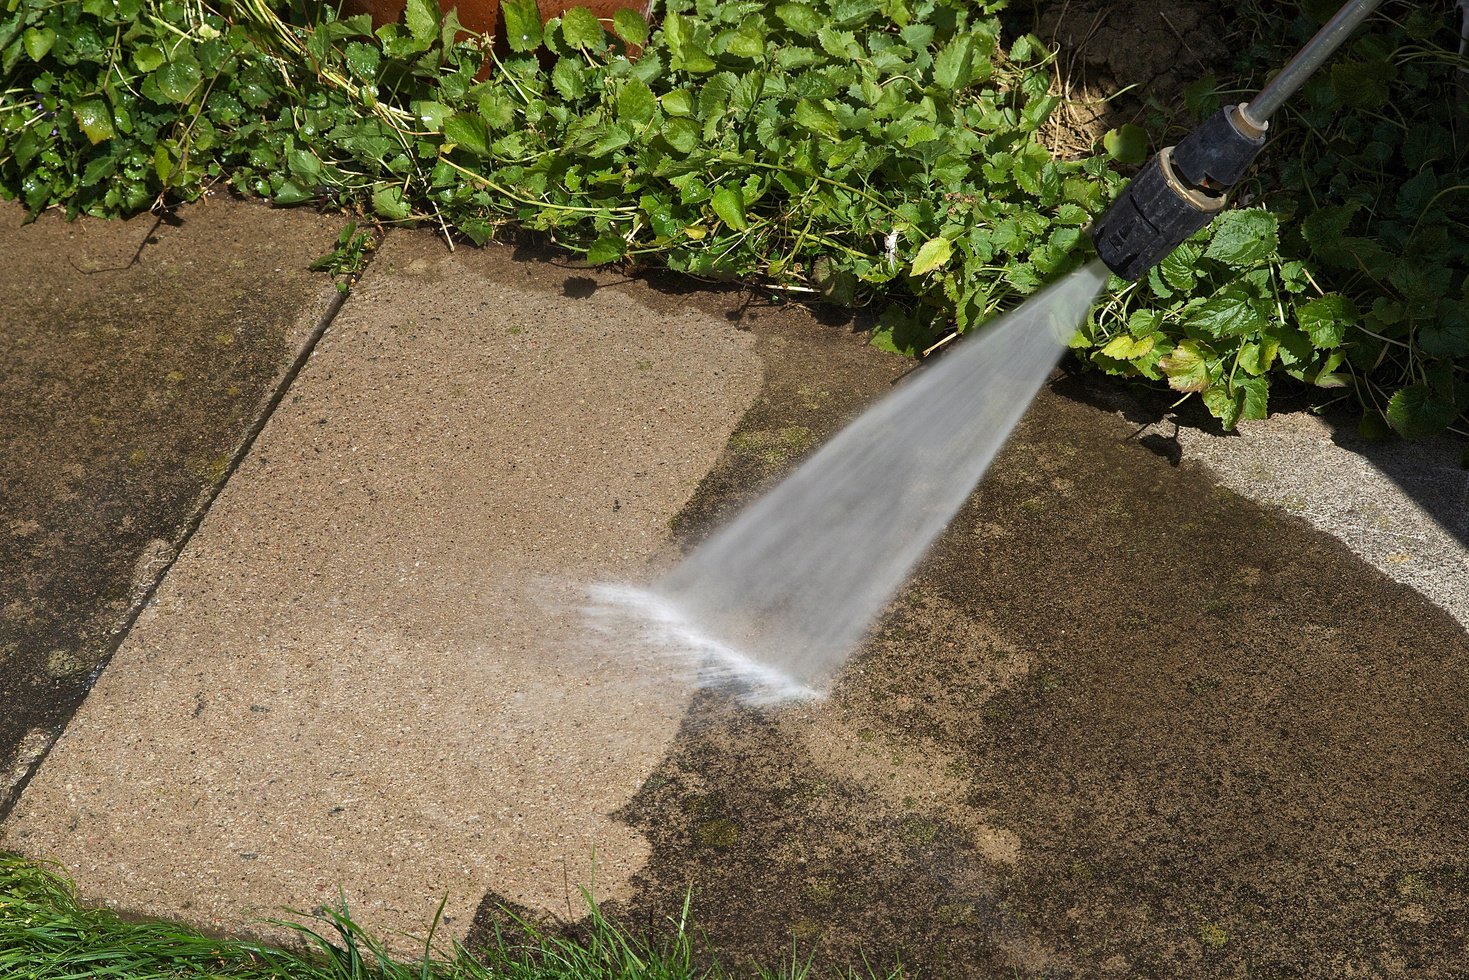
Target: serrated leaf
{"points": [[522, 24], [951, 67], [729, 204], [468, 131], [933, 254], [799, 17], [817, 118], [566, 78], [677, 102], [1231, 312], [1126, 348], [178, 80], [1256, 357], [1326, 319], [1447, 335], [1186, 367], [1416, 412], [1243, 237], [608, 248], [95, 119], [581, 29], [681, 134], [630, 26], [389, 202], [147, 58], [1127, 145], [635, 103], [422, 18], [1180, 268], [363, 60]]}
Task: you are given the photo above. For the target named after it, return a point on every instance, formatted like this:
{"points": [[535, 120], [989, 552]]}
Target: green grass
{"points": [[46, 934]]}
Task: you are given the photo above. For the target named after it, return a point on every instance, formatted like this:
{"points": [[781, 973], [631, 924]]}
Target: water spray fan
{"points": [[1183, 187]]}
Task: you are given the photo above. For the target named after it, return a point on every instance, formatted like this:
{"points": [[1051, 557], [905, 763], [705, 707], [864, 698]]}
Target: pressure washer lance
{"points": [[1181, 189]]}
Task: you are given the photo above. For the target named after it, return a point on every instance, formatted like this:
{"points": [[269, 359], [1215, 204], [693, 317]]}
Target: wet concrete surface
{"points": [[1123, 722], [133, 359]]}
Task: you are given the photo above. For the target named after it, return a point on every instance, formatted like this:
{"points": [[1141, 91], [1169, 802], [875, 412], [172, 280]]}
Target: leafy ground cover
{"points": [[882, 153], [45, 934]]}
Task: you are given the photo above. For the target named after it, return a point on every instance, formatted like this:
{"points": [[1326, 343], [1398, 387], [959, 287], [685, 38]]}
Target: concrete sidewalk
{"points": [[360, 675], [134, 358], [1123, 721]]}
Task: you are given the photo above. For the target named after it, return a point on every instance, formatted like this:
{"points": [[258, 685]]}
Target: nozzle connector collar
{"points": [[1156, 213], [1217, 153]]}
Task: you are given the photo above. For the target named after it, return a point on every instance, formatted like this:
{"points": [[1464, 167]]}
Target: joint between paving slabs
{"points": [[145, 595]]}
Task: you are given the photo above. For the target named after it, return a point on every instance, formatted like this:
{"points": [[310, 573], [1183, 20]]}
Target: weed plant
{"points": [[46, 934], [881, 153]]}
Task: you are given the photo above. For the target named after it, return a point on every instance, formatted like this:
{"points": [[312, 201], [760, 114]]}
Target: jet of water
{"points": [[783, 594]]}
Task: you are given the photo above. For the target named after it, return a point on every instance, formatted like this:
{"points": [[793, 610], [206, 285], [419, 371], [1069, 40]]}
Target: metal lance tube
{"points": [[1308, 62], [1184, 187]]}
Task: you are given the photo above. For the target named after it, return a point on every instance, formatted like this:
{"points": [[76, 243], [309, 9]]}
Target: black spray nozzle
{"points": [[1176, 193]]}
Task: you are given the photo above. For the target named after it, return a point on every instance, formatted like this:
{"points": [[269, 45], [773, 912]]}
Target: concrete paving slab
{"points": [[134, 357], [349, 680], [1402, 506]]}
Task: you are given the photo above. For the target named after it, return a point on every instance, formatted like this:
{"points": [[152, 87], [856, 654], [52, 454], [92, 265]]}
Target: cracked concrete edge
{"points": [[153, 566]]}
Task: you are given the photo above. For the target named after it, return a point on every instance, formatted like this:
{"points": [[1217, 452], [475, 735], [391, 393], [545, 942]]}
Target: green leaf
{"points": [[677, 102], [522, 24], [1447, 335], [1243, 237], [95, 120], [799, 17], [1257, 356], [178, 80], [389, 202], [581, 29], [934, 254], [1125, 348], [1186, 367], [38, 41], [608, 248], [469, 131], [729, 204], [1127, 145], [363, 60], [422, 17], [1416, 412], [630, 26], [951, 67], [147, 58], [1231, 312], [817, 118], [1326, 319], [567, 78], [681, 134], [635, 103]]}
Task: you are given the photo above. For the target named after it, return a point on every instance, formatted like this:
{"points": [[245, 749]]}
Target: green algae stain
{"points": [[720, 833], [773, 447]]}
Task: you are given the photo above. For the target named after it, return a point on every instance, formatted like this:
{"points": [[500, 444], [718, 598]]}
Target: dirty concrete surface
{"points": [[134, 357], [1123, 722], [365, 675]]}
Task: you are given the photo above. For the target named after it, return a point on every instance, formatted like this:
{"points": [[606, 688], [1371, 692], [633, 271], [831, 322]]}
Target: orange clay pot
{"points": [[483, 16]]}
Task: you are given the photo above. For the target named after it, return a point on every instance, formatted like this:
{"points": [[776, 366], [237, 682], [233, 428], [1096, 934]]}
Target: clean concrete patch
{"points": [[134, 357], [364, 674], [1401, 506]]}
